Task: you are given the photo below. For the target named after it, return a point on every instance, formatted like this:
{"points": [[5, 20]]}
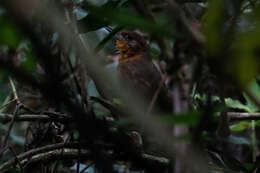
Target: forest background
{"points": [[57, 74]]}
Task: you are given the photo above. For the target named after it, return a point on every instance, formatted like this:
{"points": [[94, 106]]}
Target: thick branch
{"points": [[5, 118], [239, 116]]}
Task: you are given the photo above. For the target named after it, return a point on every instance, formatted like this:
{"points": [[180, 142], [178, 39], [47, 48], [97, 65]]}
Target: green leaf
{"points": [[244, 56], [11, 169], [203, 97], [255, 90], [239, 140], [123, 17], [243, 125], [257, 123], [213, 22], [117, 101], [154, 51], [249, 166], [76, 134], [4, 90], [9, 34], [251, 105], [30, 62], [189, 118], [124, 122], [236, 104], [240, 126], [92, 22]]}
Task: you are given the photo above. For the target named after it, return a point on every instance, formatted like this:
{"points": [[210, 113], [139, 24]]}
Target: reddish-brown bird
{"points": [[136, 66]]}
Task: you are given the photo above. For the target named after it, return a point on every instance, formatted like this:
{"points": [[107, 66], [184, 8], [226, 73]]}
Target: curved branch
{"points": [[69, 151]]}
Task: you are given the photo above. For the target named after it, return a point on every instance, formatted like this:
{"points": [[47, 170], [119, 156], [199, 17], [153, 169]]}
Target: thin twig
{"points": [[143, 10], [16, 98], [155, 96], [177, 12], [16, 159], [18, 106], [78, 161], [32, 152], [6, 104], [84, 169], [14, 91]]}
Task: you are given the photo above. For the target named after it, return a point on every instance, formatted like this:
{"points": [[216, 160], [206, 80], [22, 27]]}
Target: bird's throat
{"points": [[126, 57]]}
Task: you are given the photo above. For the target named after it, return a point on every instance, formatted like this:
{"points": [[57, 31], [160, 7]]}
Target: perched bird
{"points": [[137, 68]]}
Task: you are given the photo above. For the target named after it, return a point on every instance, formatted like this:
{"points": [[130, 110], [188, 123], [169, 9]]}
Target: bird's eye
{"points": [[128, 37]]}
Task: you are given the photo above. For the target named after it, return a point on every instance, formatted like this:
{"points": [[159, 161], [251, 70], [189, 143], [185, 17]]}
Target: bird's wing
{"points": [[142, 74]]}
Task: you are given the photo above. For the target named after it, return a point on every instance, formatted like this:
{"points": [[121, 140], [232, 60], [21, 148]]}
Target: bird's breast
{"points": [[141, 74]]}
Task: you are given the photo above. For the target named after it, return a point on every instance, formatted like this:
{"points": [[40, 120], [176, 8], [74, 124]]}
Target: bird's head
{"points": [[130, 43]]}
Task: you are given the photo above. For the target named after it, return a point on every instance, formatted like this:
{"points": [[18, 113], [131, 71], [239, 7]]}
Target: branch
{"points": [[240, 116], [143, 10], [176, 12], [5, 118], [70, 151], [192, 1]]}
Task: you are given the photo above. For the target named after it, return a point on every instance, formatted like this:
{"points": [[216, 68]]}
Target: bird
{"points": [[135, 66]]}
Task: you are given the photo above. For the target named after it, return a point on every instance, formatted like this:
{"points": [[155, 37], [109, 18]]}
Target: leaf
{"points": [[106, 15], [80, 13], [189, 118], [75, 134], [203, 97], [243, 125], [4, 90], [240, 126], [249, 166], [11, 169], [236, 104], [17, 139], [92, 90], [251, 105], [257, 123], [9, 34], [255, 90], [92, 22], [30, 62], [154, 51], [107, 38], [117, 101], [213, 22], [239, 140]]}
